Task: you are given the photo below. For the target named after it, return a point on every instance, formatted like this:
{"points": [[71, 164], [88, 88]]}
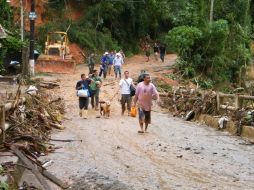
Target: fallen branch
{"points": [[65, 140], [39, 171], [30, 165]]}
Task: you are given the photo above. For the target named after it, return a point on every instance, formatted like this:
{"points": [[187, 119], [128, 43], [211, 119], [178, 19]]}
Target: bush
{"points": [[182, 39], [208, 51]]}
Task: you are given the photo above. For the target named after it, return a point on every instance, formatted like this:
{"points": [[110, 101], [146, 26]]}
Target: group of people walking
{"points": [[91, 85], [144, 94], [133, 94], [110, 61], [158, 49]]}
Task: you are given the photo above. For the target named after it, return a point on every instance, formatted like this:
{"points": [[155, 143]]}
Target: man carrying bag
{"points": [[127, 88], [83, 93]]}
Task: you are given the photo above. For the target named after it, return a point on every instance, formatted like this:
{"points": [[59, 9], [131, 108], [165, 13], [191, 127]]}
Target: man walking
{"points": [[104, 65], [125, 84], [91, 63], [145, 93], [162, 49], [95, 89], [83, 101], [156, 51], [147, 51], [111, 59], [118, 61]]}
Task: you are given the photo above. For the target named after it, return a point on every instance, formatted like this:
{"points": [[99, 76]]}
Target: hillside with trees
{"points": [[208, 39]]}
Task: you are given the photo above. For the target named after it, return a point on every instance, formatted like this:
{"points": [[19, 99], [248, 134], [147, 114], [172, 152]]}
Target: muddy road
{"points": [[174, 154]]}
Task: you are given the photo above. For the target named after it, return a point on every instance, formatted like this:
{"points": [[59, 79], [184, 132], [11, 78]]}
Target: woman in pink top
{"points": [[145, 93]]}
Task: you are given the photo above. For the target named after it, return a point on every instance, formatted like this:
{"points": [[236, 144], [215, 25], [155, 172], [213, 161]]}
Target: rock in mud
{"points": [[93, 181]]}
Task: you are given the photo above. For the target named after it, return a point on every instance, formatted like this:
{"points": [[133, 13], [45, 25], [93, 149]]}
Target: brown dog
{"points": [[105, 108]]}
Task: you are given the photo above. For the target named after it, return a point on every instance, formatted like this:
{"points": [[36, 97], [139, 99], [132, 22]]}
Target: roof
{"points": [[2, 32]]}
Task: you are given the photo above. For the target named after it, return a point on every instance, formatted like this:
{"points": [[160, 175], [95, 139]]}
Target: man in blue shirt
{"points": [[111, 59], [83, 101], [104, 65]]}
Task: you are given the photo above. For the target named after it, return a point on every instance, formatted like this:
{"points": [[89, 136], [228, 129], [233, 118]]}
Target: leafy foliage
{"points": [[11, 44], [214, 50], [6, 16]]}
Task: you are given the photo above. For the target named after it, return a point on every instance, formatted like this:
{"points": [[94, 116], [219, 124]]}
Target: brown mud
{"points": [[175, 154]]}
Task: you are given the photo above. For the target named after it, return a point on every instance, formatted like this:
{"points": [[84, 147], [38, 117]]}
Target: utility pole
{"points": [[32, 17], [211, 11], [22, 20]]}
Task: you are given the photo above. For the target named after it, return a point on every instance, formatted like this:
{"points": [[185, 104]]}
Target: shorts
{"points": [[144, 116], [126, 98]]}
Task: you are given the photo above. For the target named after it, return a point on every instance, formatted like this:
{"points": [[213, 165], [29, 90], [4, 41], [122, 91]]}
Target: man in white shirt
{"points": [[125, 84], [118, 61]]}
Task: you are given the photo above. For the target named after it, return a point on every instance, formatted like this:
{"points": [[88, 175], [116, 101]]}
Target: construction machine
{"points": [[56, 58]]}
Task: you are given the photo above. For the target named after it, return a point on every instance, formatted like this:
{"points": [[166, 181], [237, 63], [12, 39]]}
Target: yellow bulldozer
{"points": [[57, 57]]}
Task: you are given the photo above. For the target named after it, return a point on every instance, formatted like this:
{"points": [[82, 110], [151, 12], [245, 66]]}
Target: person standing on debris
{"points": [[145, 93], [104, 65], [111, 59], [91, 63], [156, 51], [83, 101], [118, 61], [95, 89], [162, 49], [125, 85]]}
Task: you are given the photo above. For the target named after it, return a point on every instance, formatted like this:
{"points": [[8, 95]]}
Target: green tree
{"points": [[6, 16]]}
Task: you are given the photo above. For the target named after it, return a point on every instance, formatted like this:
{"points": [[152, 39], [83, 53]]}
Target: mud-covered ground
{"points": [[175, 154]]}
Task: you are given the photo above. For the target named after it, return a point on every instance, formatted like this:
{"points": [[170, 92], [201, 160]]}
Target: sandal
{"points": [[140, 131]]}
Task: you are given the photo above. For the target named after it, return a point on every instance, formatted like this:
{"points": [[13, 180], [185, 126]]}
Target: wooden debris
{"points": [[42, 113], [39, 171], [65, 140], [33, 168], [49, 84], [182, 101]]}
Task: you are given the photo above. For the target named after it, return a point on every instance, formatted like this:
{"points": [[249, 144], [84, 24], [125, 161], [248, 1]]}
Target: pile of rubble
{"points": [[190, 103], [30, 122], [30, 119]]}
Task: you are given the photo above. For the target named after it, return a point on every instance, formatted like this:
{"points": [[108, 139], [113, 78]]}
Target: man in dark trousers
{"points": [[91, 63], [95, 89], [83, 101], [156, 51], [162, 49]]}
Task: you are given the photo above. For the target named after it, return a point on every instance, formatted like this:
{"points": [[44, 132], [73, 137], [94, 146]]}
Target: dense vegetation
{"points": [[218, 49], [205, 47], [12, 44], [212, 50]]}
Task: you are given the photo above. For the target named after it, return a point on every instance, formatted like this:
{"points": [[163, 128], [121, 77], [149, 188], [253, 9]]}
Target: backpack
{"points": [[132, 88]]}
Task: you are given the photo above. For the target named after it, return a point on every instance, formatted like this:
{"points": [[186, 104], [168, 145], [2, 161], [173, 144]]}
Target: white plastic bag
{"points": [[83, 93], [32, 90]]}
